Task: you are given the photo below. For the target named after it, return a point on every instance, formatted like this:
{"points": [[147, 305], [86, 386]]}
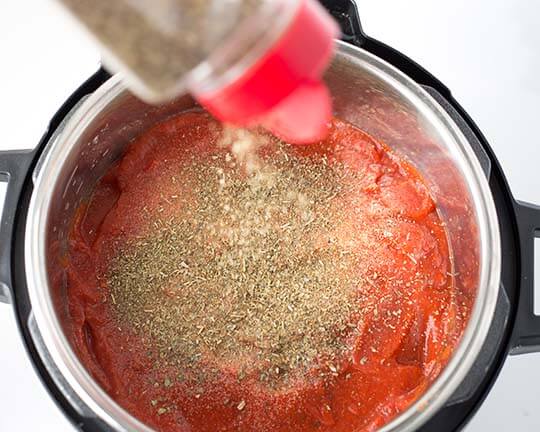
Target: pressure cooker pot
{"points": [[374, 88]]}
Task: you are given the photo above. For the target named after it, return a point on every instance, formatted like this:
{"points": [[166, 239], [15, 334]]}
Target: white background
{"points": [[486, 51]]}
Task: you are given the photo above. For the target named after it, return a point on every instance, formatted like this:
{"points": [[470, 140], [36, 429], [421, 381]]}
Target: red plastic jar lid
{"points": [[283, 90]]}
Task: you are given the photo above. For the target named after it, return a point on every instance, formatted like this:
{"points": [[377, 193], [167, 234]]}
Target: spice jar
{"points": [[249, 62]]}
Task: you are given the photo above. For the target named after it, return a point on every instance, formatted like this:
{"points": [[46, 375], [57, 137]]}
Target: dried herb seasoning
{"points": [[250, 274]]}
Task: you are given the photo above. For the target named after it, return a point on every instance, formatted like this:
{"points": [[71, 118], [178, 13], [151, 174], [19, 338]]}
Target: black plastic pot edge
{"points": [[16, 168], [520, 217]]}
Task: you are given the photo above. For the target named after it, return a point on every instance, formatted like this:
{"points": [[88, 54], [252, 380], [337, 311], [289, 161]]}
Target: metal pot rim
{"points": [[91, 394]]}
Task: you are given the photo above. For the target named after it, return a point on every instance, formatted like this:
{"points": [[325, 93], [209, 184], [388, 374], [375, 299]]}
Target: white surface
{"points": [[486, 51]]}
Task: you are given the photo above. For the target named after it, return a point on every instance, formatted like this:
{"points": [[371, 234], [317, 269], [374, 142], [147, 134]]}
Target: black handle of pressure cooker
{"points": [[526, 333], [14, 166], [346, 14]]}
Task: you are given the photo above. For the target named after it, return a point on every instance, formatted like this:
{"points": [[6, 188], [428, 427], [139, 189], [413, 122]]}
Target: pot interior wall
{"points": [[372, 102], [361, 96]]}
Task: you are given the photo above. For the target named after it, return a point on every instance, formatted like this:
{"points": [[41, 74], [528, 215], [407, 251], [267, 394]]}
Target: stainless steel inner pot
{"points": [[368, 93]]}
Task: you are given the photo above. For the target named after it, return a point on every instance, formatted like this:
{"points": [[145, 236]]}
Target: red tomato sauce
{"points": [[406, 341]]}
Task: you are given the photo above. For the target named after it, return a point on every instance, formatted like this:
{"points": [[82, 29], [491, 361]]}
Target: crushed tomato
{"points": [[405, 345]]}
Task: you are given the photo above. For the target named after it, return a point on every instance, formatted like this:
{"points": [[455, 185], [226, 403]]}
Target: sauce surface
{"points": [[408, 315]]}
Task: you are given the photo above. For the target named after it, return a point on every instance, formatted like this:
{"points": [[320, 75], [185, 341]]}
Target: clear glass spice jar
{"points": [[248, 62]]}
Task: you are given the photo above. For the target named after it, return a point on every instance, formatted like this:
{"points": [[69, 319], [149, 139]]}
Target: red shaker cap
{"points": [[283, 90]]}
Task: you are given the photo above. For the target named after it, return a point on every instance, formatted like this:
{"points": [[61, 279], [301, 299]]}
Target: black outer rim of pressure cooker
{"points": [[455, 414]]}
